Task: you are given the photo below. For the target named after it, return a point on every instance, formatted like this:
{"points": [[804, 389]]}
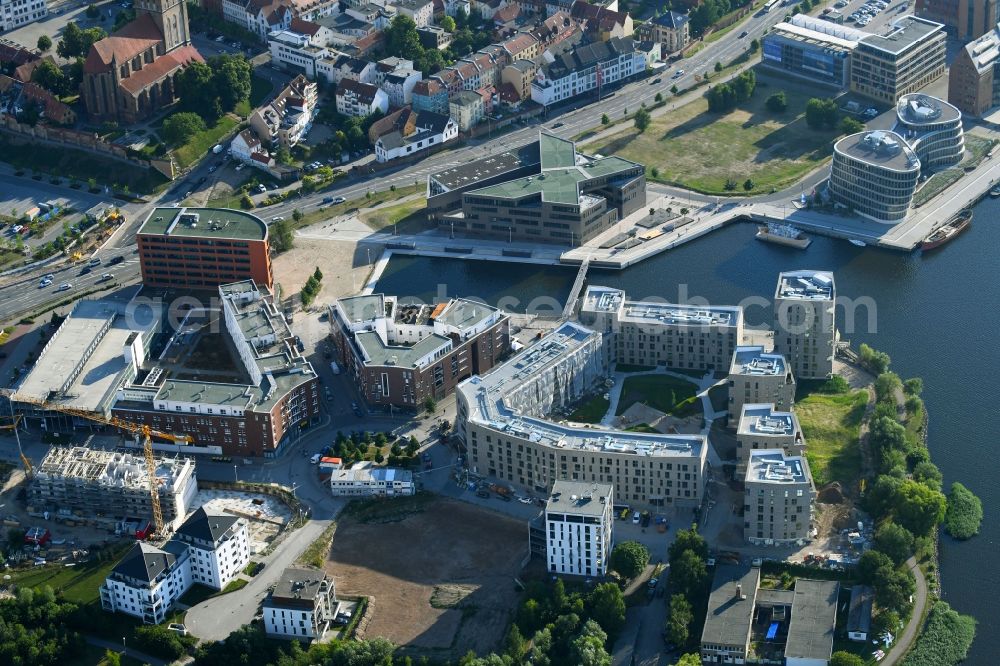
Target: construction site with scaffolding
{"points": [[110, 489]]}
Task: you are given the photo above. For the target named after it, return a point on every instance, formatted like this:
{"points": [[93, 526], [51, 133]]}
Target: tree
{"points": [[850, 125], [777, 102], [282, 237], [604, 119], [692, 659], [606, 605], [928, 474], [919, 508], [748, 184], [430, 404], [447, 24], [541, 645], [895, 541], [965, 512], [401, 38], [159, 641], [673, 89], [744, 85], [178, 128], [111, 658], [688, 574], [49, 76], [296, 215], [318, 274], [886, 386], [655, 173], [514, 645], [231, 80], [76, 42], [893, 589], [754, 45], [821, 113], [629, 559], [679, 621], [658, 98], [589, 651], [93, 12], [642, 120], [194, 85], [44, 43], [688, 539], [846, 659]]}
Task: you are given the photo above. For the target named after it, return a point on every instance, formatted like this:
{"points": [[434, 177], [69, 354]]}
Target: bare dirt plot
{"points": [[440, 580], [344, 265]]}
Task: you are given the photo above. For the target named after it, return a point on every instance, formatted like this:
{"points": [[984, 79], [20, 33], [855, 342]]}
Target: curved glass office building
{"points": [[874, 174], [932, 127]]}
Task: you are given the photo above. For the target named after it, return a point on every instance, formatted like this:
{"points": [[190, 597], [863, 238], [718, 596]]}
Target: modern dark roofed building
{"points": [[206, 527], [203, 248], [144, 562], [445, 188], [571, 199]]}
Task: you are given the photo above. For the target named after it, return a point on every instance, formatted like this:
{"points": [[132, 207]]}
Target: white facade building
{"points": [[584, 68], [209, 549], [301, 605], [432, 130], [579, 528], [398, 86], [360, 99], [421, 11], [15, 13], [367, 482]]}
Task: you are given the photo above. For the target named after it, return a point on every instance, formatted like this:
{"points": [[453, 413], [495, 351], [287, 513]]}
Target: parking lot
{"points": [[871, 17]]}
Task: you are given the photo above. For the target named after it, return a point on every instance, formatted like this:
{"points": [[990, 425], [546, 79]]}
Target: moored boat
{"points": [[783, 234], [995, 192], [858, 242], [948, 231]]}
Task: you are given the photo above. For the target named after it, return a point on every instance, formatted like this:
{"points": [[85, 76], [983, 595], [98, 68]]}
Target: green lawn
{"points": [[591, 411], [670, 395], [701, 151], [407, 216], [260, 88], [831, 425], [80, 584], [198, 145]]}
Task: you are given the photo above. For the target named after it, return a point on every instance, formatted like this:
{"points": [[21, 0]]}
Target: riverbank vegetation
{"points": [[964, 514], [945, 639]]}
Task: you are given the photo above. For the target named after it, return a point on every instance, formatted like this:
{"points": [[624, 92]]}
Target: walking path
{"points": [[905, 641], [129, 652]]}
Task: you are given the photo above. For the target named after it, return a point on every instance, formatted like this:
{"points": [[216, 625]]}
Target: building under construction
{"points": [[105, 488]]}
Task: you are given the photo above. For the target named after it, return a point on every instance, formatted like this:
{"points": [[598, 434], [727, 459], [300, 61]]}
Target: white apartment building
{"points": [[762, 427], [579, 528], [372, 482], [756, 377], [302, 605], [778, 499], [288, 117], [421, 11], [360, 99], [431, 130], [398, 86], [298, 52], [581, 70], [15, 13], [209, 549], [804, 322]]}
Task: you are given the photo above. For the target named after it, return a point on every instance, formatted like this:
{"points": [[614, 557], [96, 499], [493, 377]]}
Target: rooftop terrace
{"points": [[919, 109], [204, 223]]}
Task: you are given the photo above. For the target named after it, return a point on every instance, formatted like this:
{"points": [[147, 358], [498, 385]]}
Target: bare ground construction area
{"points": [[439, 578]]}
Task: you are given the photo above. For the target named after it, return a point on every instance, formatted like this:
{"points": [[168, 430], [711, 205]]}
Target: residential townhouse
{"points": [[360, 99], [430, 95], [601, 22], [520, 75], [523, 46], [246, 147], [388, 66], [421, 11], [468, 108], [434, 37], [671, 30], [398, 86], [303, 604], [429, 130], [583, 68], [350, 68]]}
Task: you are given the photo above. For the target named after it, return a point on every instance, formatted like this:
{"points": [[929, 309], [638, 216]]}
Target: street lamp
{"points": [[236, 474]]}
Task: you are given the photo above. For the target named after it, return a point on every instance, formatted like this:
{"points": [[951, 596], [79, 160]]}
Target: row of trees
{"points": [[311, 288], [707, 13], [689, 586], [470, 32]]}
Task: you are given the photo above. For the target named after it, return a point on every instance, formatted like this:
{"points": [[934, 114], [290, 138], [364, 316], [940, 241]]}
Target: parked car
{"points": [[525, 500], [106, 277], [636, 518], [66, 286]]}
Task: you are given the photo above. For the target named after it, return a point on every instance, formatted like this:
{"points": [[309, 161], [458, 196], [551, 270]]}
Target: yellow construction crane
{"points": [[145, 431], [28, 469]]}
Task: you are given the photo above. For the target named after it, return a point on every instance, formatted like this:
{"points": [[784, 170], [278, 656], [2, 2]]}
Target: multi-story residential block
{"points": [[219, 546], [371, 482], [467, 109], [209, 549], [203, 248], [804, 322], [973, 80], [360, 99], [302, 604], [271, 396], [875, 175], [421, 11], [671, 30], [573, 198], [300, 52], [904, 60], [764, 427], [344, 67], [430, 95], [585, 68], [663, 334], [102, 488], [523, 46], [932, 128], [286, 119], [398, 86], [757, 377], [777, 499], [579, 528], [389, 65], [520, 74], [502, 422], [399, 354], [15, 13], [966, 19], [602, 23], [812, 49]]}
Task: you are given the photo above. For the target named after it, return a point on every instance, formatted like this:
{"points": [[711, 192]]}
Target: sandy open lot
{"points": [[461, 558]]}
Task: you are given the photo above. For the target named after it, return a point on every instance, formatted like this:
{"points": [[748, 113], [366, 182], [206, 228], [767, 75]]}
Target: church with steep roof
{"points": [[129, 75]]}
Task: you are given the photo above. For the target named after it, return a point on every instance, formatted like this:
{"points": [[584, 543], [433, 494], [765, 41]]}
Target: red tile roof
{"points": [[14, 53], [303, 27], [160, 68], [133, 39]]}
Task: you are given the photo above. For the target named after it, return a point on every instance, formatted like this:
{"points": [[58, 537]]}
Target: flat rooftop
{"points": [[762, 419], [579, 499], [729, 615], [364, 307], [83, 363], [755, 362], [378, 352], [470, 173], [774, 467], [906, 32], [602, 299], [806, 285], [881, 148], [919, 109], [295, 584], [373, 474], [210, 223], [682, 315], [237, 396], [814, 618], [811, 36]]}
